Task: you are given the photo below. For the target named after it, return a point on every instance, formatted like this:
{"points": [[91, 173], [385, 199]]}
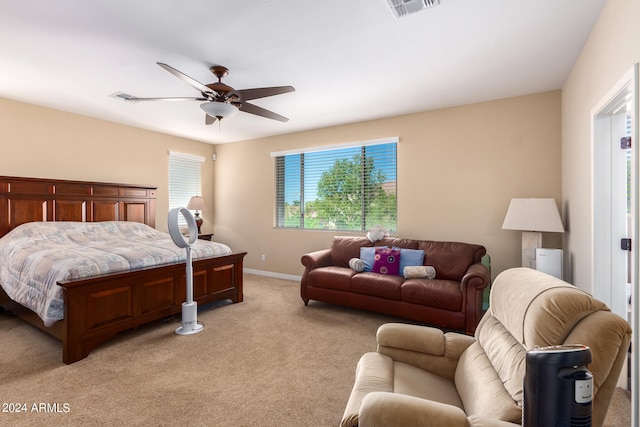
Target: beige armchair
{"points": [[421, 376]]}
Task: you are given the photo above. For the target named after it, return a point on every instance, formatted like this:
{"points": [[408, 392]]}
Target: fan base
{"points": [[186, 331], [190, 323]]}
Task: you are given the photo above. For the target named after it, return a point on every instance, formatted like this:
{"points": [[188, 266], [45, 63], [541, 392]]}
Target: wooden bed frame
{"points": [[99, 307]]}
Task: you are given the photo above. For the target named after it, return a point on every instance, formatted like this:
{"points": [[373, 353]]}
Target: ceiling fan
{"points": [[221, 100]]}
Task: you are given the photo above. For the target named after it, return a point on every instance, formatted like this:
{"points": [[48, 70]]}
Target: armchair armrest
{"points": [[427, 348], [383, 409]]}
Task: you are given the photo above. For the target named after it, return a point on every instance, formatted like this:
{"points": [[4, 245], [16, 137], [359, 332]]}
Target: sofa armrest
{"points": [[311, 261], [316, 259], [473, 283], [384, 409], [427, 348], [477, 275]]}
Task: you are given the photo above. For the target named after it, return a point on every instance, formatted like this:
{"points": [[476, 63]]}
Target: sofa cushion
{"points": [[438, 293], [450, 259], [378, 285], [399, 243], [331, 277], [344, 248], [386, 261]]}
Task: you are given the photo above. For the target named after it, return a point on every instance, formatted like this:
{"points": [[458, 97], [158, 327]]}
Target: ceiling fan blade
{"points": [[261, 92], [188, 80], [208, 120], [259, 111], [178, 98]]}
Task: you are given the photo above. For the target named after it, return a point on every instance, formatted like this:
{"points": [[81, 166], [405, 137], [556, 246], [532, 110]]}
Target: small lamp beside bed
{"points": [[196, 203]]}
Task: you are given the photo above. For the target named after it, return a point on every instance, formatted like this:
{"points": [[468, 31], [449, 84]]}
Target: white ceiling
{"points": [[349, 60]]}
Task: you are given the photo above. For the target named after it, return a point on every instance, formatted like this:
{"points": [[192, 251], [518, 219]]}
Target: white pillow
{"points": [[356, 264], [419, 272]]}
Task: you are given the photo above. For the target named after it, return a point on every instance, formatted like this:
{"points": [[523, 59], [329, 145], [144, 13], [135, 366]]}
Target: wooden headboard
{"points": [[33, 199]]}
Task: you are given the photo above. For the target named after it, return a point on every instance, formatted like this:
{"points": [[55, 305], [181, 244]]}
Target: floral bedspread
{"points": [[35, 256]]}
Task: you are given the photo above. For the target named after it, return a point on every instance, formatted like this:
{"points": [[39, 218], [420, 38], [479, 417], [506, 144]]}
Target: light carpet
{"points": [[268, 361]]}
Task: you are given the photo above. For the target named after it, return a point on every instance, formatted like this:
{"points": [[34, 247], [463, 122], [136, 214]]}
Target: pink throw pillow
{"points": [[386, 261]]}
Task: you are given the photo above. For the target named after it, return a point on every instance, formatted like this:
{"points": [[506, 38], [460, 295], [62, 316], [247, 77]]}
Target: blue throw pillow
{"points": [[368, 253], [410, 257]]}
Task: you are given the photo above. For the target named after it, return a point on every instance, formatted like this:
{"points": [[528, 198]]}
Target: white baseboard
{"points": [[272, 274]]}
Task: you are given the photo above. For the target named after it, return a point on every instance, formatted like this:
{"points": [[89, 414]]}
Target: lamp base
{"points": [[199, 221], [530, 241]]}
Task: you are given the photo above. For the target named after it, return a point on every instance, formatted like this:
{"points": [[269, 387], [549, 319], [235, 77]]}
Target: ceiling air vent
{"points": [[402, 8]]}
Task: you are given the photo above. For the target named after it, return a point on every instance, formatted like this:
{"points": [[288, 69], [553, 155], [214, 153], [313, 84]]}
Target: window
{"points": [[350, 187], [184, 180]]}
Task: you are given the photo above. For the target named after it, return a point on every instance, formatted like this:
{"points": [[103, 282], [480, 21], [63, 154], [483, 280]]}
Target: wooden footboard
{"points": [[97, 308]]}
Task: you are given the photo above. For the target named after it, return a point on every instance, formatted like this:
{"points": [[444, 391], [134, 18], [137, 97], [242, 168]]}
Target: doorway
{"points": [[615, 210]]}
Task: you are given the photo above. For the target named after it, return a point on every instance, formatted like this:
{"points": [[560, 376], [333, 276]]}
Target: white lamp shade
{"points": [[533, 215], [220, 110], [196, 203]]}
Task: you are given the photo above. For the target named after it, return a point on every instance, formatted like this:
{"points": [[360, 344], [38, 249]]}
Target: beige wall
{"points": [[610, 52], [458, 168], [44, 143]]}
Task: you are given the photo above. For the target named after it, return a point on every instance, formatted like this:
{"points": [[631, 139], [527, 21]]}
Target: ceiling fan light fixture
{"points": [[219, 110]]}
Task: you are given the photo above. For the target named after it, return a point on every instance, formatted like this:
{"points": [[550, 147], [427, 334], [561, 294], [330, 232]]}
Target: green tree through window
{"points": [[349, 189]]}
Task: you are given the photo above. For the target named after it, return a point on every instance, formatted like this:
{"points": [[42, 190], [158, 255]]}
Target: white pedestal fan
{"points": [[190, 323]]}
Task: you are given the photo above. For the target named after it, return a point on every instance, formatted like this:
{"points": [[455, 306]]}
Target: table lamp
{"points": [[196, 203], [532, 217]]}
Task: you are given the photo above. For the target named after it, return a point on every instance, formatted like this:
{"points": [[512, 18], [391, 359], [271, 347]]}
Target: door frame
{"points": [[607, 257]]}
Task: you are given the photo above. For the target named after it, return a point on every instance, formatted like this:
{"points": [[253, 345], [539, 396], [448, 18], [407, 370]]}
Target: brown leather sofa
{"points": [[451, 300]]}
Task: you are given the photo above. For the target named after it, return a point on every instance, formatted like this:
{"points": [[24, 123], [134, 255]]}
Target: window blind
{"points": [[351, 188], [185, 180]]}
